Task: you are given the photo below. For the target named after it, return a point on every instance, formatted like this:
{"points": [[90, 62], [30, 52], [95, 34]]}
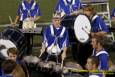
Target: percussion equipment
{"points": [[46, 66], [34, 31], [28, 23], [78, 26], [31, 61], [82, 28], [68, 22], [16, 37], [7, 44], [55, 50]]}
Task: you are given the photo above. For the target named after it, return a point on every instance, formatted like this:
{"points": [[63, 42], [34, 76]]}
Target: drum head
{"points": [[7, 44], [82, 28]]}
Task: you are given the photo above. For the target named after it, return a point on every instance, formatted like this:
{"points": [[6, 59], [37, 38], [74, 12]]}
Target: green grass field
{"points": [[9, 8]]}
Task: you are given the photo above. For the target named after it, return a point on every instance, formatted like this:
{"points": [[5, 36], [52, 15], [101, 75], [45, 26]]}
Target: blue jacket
{"points": [[26, 9], [98, 24], [68, 7]]}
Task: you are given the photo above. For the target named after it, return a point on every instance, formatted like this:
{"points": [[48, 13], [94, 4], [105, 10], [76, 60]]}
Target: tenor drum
{"points": [[16, 37], [28, 24]]}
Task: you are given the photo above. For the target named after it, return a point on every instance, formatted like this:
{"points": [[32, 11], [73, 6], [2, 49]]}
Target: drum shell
{"points": [[17, 37], [68, 22]]}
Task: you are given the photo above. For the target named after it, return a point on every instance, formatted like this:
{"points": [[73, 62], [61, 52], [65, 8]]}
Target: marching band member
{"points": [[92, 67], [28, 10], [8, 67], [55, 41], [98, 24], [21, 67], [98, 42], [68, 7]]}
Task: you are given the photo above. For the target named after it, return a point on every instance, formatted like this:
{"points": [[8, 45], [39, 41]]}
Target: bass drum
{"points": [[17, 38], [68, 22], [79, 28]]}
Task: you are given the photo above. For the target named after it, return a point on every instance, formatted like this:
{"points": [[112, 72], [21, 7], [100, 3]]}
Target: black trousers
{"points": [[81, 52], [28, 38]]}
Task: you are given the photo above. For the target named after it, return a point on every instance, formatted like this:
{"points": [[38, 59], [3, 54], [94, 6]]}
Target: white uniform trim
{"points": [[94, 17], [33, 6], [65, 2], [102, 52], [99, 53], [24, 7], [51, 29]]}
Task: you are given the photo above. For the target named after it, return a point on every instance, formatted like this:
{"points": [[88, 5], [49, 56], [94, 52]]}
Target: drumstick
{"points": [[10, 19], [62, 63], [88, 32]]}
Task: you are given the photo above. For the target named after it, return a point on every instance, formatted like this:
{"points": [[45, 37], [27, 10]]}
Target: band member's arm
{"points": [[18, 15], [98, 33], [43, 48], [64, 53], [37, 12], [66, 44], [80, 11], [102, 27], [37, 18]]}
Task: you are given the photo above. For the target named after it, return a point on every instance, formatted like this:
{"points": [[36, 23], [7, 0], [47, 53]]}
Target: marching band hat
{"points": [[57, 16]]}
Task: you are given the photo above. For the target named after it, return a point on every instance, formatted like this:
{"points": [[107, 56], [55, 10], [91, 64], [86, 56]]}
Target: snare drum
{"points": [[28, 24]]}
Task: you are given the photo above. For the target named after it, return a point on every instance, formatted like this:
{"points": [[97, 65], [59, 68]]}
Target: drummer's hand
{"points": [[32, 18], [13, 24]]}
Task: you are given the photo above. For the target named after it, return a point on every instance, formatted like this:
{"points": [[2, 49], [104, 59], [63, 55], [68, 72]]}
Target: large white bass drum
{"points": [[82, 28]]}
